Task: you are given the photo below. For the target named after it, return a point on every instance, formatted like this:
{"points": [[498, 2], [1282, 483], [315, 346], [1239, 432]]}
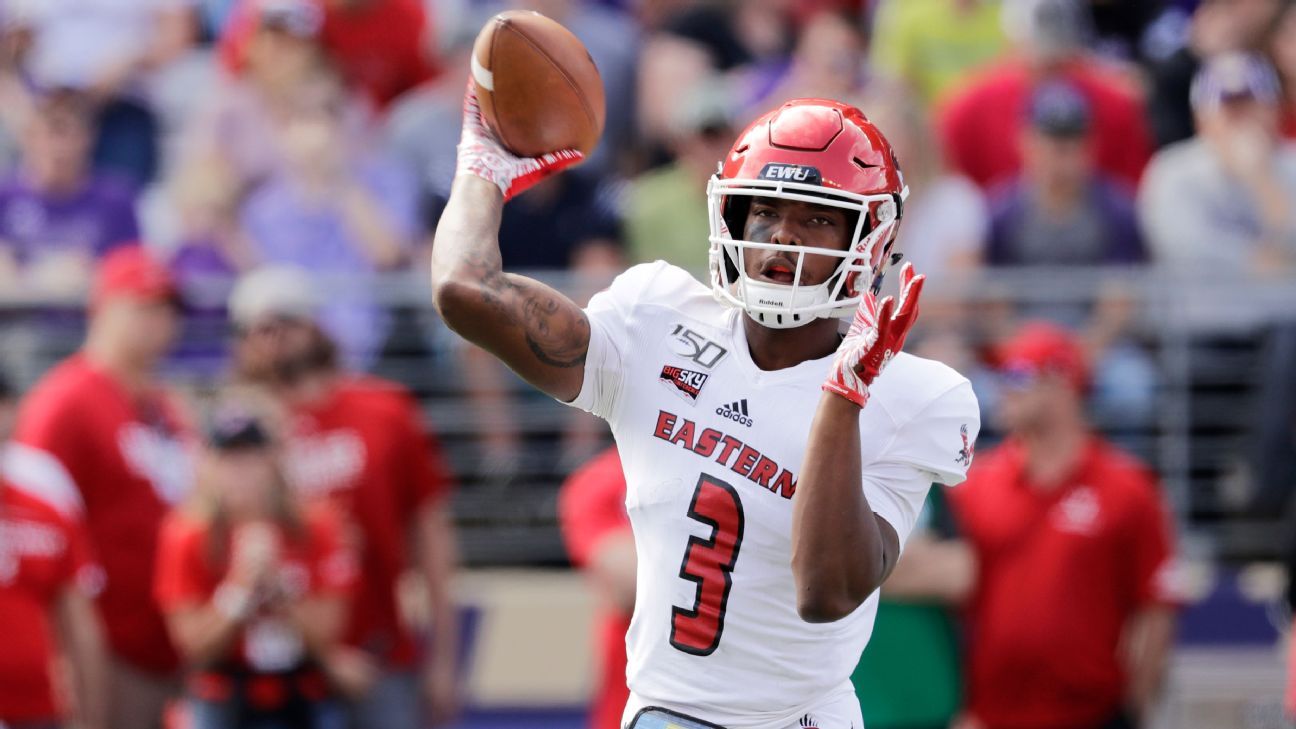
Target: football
{"points": [[538, 88]]}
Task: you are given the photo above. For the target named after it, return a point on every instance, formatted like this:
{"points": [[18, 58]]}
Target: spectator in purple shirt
{"points": [[1061, 211], [337, 210], [56, 216]]}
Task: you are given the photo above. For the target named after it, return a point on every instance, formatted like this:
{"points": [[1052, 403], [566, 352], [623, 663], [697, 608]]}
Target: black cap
{"points": [[232, 429], [1059, 109]]}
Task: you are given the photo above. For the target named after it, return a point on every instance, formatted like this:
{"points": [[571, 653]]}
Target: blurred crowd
{"points": [[230, 134], [153, 149]]}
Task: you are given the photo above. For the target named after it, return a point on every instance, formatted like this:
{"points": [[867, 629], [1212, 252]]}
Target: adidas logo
{"points": [[736, 411]]}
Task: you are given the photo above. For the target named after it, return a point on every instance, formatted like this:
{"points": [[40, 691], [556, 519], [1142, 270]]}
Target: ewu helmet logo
{"points": [[736, 411], [686, 383], [779, 172]]}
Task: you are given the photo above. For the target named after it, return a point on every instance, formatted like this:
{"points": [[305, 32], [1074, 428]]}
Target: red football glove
{"points": [[876, 334], [481, 154]]}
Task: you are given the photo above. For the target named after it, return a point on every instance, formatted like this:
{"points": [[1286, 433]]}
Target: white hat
{"points": [[273, 291]]}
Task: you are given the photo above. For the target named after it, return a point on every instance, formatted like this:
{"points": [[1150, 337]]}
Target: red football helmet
{"points": [[817, 151]]}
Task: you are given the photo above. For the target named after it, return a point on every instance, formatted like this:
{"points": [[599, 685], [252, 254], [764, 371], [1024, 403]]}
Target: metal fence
{"points": [[1205, 337]]}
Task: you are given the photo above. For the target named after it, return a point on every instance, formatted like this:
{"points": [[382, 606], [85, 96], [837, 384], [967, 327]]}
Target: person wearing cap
{"points": [[109, 442], [1062, 211], [979, 122], [237, 130], [254, 587], [1220, 202], [1215, 27], [1072, 611], [359, 443]]}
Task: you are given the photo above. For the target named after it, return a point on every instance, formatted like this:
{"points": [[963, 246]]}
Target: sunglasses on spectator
{"points": [[1019, 377]]}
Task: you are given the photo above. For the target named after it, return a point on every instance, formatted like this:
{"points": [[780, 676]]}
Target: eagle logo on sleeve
{"points": [[964, 457]]}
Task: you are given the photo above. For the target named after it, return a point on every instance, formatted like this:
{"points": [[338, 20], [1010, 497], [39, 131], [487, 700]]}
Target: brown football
{"points": [[538, 88]]}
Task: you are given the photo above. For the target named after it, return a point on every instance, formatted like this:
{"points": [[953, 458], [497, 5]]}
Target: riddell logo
{"points": [[790, 173], [736, 411]]}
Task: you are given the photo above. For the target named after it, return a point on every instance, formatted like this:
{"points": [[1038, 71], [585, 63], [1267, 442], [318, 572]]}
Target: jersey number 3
{"points": [[709, 563]]}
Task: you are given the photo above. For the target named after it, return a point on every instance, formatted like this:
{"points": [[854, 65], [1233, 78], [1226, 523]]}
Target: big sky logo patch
{"points": [[685, 383]]}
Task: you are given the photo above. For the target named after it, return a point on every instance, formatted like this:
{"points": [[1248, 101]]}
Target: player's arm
{"points": [[841, 550], [1148, 633], [81, 637], [537, 331], [1146, 642], [438, 556]]}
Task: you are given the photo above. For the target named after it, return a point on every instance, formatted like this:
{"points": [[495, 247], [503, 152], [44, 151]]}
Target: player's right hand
{"points": [[481, 154]]}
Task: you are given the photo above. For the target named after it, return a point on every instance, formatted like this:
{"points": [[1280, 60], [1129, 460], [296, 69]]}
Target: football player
{"points": [[752, 606]]}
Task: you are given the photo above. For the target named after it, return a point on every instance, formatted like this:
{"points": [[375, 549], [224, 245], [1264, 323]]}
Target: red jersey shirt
{"points": [[128, 460], [380, 47], [363, 448], [42, 553], [1060, 573], [591, 507], [980, 126], [314, 562]]}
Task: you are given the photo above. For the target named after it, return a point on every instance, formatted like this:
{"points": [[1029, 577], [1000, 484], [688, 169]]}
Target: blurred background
{"points": [[1125, 169]]}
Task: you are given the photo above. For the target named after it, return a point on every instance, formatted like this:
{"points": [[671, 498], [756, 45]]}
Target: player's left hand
{"points": [[481, 154], [876, 334]]}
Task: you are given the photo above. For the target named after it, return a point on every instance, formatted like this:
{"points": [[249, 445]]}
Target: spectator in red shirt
{"points": [[254, 588], [47, 584], [381, 47], [47, 587], [1072, 614], [596, 528], [358, 442], [981, 123], [108, 437]]}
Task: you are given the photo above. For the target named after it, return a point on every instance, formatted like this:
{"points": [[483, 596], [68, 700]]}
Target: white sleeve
{"points": [[941, 438], [610, 312], [934, 446], [896, 492]]}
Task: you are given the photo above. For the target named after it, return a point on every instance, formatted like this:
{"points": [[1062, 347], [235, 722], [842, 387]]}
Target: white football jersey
{"points": [[712, 446]]}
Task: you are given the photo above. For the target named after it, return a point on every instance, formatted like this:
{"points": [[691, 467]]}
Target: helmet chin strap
{"points": [[787, 298]]}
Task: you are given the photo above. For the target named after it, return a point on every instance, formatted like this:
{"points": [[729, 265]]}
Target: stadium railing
{"points": [[1204, 334]]}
